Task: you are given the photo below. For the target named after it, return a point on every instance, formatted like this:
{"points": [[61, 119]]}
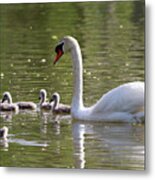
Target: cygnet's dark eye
{"points": [[54, 97], [59, 48], [4, 98], [1, 133]]}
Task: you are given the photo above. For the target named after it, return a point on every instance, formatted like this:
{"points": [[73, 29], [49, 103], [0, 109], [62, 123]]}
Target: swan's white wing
{"points": [[125, 98]]}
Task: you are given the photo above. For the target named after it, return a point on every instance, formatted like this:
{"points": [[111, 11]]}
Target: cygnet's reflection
{"points": [[3, 137]]}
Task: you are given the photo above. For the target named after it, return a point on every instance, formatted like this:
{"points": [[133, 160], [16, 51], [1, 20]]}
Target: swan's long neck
{"points": [[77, 101]]}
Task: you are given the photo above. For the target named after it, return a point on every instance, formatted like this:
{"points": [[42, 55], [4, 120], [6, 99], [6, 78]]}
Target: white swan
{"points": [[57, 106], [7, 104], [124, 103], [43, 104]]}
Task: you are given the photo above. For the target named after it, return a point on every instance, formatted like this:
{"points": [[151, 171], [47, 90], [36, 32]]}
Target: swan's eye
{"points": [[59, 48], [59, 51]]}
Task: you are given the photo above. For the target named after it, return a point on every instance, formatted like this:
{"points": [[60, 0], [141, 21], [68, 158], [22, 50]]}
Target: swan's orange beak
{"points": [[59, 54]]}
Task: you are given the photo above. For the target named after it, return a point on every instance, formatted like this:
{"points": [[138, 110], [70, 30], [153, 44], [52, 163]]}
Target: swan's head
{"points": [[42, 94], [4, 132], [7, 97], [66, 44]]}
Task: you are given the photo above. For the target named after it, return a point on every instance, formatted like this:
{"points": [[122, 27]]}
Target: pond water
{"points": [[111, 36]]}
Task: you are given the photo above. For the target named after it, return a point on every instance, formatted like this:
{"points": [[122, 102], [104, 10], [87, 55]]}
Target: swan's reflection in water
{"points": [[110, 145], [80, 144], [78, 133]]}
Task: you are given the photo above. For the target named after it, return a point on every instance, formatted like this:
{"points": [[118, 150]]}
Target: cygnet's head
{"points": [[42, 94], [7, 97], [55, 97], [66, 44]]}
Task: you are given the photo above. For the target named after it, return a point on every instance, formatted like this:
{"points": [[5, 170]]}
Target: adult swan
{"points": [[124, 103]]}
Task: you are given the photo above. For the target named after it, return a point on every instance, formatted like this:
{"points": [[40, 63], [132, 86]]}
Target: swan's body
{"points": [[4, 132], [7, 104], [43, 104], [59, 107], [124, 103]]}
